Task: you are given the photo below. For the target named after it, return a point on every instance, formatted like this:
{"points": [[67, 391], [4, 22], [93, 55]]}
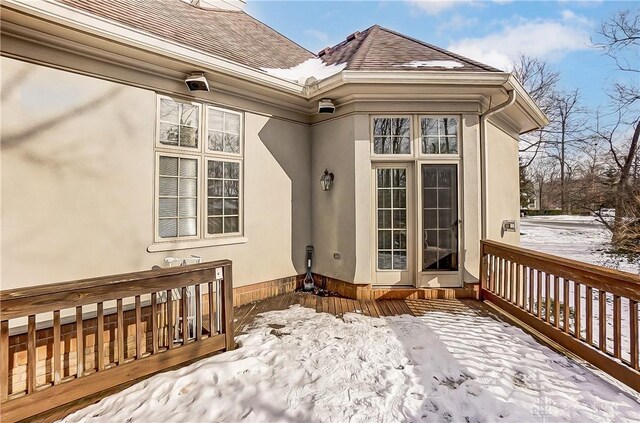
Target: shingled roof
{"points": [[378, 48], [233, 35]]}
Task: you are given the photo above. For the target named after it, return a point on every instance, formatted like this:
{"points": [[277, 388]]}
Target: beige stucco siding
{"points": [[78, 176], [503, 188], [333, 212]]}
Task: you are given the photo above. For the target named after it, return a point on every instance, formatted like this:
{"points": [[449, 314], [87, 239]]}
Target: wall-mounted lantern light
{"points": [[326, 180]]}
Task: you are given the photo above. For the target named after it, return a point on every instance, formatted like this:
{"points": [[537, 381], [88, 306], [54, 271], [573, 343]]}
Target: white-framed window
{"points": [[392, 135], [223, 131], [439, 135], [198, 191], [177, 200], [223, 197], [178, 124]]}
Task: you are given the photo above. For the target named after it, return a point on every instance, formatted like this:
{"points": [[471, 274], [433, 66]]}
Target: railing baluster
{"points": [[170, 327], [633, 332], [198, 314], [57, 356], [121, 332], [4, 360], [565, 300], [539, 311], [154, 323], [556, 301], [492, 274], [212, 313], [79, 343], [617, 326], [531, 290], [547, 292], [185, 316], [602, 318], [577, 309], [519, 286], [589, 314], [100, 335], [31, 354], [509, 285], [139, 334]]}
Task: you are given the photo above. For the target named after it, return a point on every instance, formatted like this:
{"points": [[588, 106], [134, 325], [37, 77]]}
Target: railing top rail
{"points": [[613, 281], [32, 300]]}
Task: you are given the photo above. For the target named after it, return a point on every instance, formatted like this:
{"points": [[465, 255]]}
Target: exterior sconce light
{"points": [[326, 180]]}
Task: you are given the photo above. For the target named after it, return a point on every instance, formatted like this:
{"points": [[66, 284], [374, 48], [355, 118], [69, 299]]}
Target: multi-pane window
{"points": [[223, 131], [439, 135], [199, 183], [391, 135], [178, 197], [223, 197], [179, 123], [391, 191]]}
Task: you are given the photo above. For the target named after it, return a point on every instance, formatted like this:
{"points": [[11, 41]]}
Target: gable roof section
{"points": [[382, 49], [233, 35]]}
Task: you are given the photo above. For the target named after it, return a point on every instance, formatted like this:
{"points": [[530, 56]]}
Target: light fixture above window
{"points": [[197, 82], [326, 180]]}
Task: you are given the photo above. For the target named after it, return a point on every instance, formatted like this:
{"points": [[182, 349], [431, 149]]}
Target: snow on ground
{"points": [[299, 365], [313, 67], [580, 238]]}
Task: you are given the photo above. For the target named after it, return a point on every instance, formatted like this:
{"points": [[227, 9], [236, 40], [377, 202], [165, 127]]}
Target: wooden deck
{"points": [[246, 314]]}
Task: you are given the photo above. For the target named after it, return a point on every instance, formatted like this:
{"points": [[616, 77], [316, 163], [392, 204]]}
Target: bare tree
{"points": [[619, 38], [566, 135], [540, 81]]}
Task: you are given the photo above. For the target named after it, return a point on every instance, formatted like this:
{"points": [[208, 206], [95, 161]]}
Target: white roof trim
{"points": [[92, 24]]}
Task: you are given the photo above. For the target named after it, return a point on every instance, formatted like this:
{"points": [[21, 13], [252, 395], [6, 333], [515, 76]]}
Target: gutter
{"points": [[483, 158]]}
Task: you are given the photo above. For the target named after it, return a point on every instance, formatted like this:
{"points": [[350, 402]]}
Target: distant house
{"points": [[111, 164]]}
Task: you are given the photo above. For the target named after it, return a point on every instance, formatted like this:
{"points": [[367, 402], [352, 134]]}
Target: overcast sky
{"points": [[493, 32]]}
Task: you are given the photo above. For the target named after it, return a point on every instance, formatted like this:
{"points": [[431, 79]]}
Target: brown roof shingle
{"points": [[378, 48], [233, 35]]}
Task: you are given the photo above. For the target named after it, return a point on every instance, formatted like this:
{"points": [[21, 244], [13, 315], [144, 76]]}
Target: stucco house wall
{"points": [[503, 188], [78, 175]]}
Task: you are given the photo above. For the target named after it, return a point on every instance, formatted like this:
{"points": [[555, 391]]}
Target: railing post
{"points": [[483, 272], [227, 307]]}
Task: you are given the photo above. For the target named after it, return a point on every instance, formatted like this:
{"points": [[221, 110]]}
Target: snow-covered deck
{"points": [[329, 359]]}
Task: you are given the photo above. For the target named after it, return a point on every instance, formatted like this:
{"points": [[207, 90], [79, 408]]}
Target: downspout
{"points": [[483, 158]]}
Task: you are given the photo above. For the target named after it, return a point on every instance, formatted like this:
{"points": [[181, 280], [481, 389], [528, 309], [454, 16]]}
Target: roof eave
{"points": [[101, 27]]}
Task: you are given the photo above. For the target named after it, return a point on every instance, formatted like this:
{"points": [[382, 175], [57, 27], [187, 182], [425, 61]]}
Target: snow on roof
{"points": [[313, 67], [447, 64]]}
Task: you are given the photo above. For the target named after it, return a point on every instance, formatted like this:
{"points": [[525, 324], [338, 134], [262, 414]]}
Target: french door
{"points": [[393, 222], [439, 226]]}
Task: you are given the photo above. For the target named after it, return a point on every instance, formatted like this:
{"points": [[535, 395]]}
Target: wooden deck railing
{"points": [[83, 337], [589, 310]]}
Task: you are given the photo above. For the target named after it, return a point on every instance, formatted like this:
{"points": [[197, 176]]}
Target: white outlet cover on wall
{"points": [[218, 273]]}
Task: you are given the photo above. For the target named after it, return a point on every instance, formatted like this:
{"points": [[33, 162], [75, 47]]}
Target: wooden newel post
{"points": [[227, 307], [483, 272]]}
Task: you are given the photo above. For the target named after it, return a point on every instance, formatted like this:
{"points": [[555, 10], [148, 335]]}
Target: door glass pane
{"points": [[440, 217], [391, 218]]}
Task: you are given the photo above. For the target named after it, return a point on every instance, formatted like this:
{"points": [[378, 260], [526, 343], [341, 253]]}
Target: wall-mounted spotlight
{"points": [[197, 82], [326, 180], [326, 106]]}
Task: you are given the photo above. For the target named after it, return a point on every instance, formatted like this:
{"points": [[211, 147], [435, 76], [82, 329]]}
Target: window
{"points": [[178, 197], [195, 178], [439, 135], [179, 123], [391, 192], [392, 135], [223, 197]]}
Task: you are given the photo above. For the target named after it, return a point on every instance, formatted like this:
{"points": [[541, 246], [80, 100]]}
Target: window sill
{"points": [[199, 243]]}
